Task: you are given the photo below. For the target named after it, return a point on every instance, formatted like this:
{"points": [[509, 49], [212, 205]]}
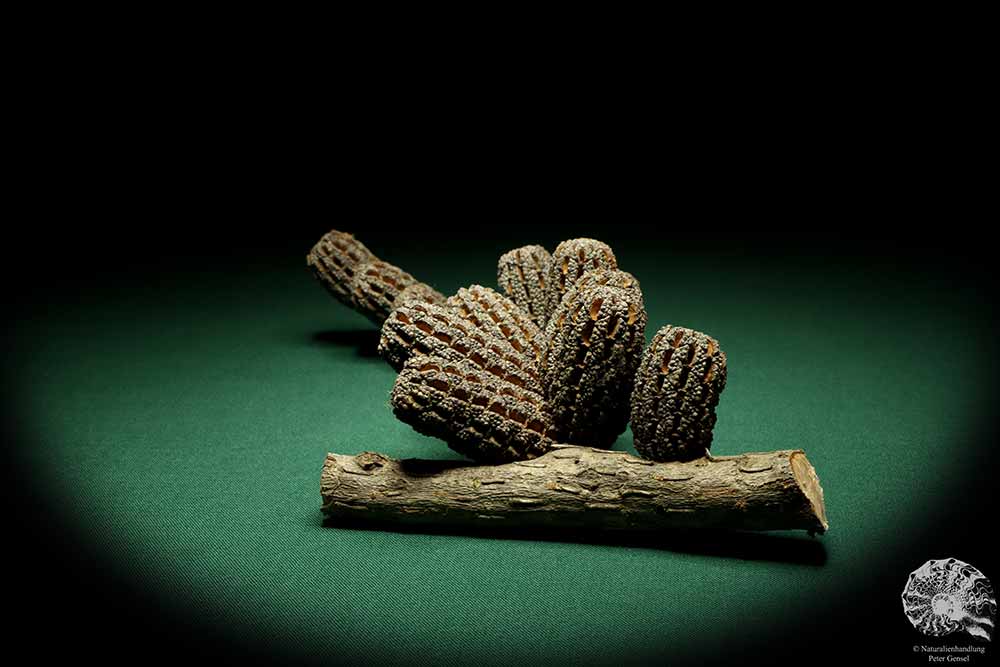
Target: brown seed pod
{"points": [[610, 277], [521, 274], [571, 260], [595, 341], [334, 260], [498, 316], [423, 328], [477, 413], [419, 293], [375, 286], [677, 389]]}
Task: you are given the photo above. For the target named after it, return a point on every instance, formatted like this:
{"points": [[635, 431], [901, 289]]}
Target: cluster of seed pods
{"points": [[558, 358]]}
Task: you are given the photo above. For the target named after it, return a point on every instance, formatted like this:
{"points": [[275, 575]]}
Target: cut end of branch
{"points": [[328, 480], [808, 482]]}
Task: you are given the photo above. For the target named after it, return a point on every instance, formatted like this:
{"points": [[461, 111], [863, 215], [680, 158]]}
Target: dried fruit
{"points": [[419, 293], [375, 286], [677, 389], [498, 316], [334, 260], [478, 413], [571, 260], [610, 277], [357, 278], [595, 341], [426, 329], [521, 274]]}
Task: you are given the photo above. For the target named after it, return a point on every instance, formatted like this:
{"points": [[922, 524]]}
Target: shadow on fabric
{"points": [[741, 545], [365, 341]]}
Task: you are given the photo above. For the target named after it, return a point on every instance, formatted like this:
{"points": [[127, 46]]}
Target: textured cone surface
{"points": [[500, 317], [477, 413], [375, 287], [522, 275], [571, 260], [423, 328], [595, 341], [611, 278], [677, 389], [334, 260], [419, 293]]}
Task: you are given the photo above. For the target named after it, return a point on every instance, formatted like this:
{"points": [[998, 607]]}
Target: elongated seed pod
{"points": [[375, 286], [595, 341], [478, 414], [334, 260], [677, 389], [423, 328], [571, 260], [497, 315], [419, 293], [521, 274], [609, 277]]}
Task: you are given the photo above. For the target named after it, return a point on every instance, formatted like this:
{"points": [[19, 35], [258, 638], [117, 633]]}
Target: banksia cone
{"points": [[375, 287], [419, 293], [571, 260], [334, 260], [611, 277], [677, 389], [498, 316], [521, 274], [357, 278], [426, 329], [477, 412], [595, 341]]}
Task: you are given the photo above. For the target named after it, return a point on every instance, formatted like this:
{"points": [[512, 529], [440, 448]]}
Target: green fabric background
{"points": [[182, 424]]}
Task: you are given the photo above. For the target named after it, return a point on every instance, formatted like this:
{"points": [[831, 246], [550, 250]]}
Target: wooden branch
{"points": [[580, 487]]}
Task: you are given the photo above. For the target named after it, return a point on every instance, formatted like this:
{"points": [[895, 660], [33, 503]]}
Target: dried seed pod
{"points": [[571, 260], [610, 277], [375, 286], [677, 389], [423, 328], [419, 293], [595, 341], [477, 413], [521, 274], [498, 316], [334, 260]]}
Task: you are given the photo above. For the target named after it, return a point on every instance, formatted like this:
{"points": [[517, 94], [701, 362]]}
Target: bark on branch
{"points": [[580, 487]]}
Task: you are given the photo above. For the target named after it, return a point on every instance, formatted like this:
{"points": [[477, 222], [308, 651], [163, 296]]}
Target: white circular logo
{"points": [[946, 596]]}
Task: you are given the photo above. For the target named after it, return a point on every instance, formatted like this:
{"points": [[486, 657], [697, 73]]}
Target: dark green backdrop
{"points": [[175, 414]]}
